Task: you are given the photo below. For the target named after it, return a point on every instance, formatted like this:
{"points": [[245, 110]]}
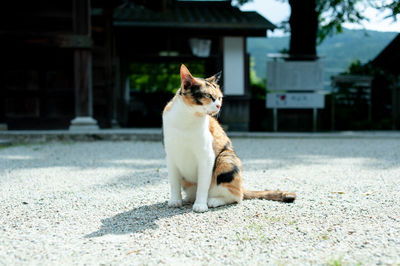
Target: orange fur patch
{"points": [[185, 184], [199, 114], [235, 187]]}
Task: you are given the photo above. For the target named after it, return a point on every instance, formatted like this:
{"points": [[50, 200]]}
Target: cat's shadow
{"points": [[140, 219], [137, 219]]}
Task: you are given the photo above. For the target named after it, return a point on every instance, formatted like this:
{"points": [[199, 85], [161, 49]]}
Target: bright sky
{"points": [[277, 10]]}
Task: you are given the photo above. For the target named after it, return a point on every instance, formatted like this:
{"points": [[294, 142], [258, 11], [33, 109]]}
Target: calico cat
{"points": [[200, 156]]}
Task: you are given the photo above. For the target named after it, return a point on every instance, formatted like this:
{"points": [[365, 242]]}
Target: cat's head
{"points": [[202, 95]]}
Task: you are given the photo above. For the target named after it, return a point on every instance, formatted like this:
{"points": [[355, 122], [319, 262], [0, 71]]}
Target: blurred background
{"points": [[311, 65]]}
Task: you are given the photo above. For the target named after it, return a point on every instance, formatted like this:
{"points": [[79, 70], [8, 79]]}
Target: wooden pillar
{"points": [[396, 104], [82, 70], [3, 124], [110, 65], [83, 83]]}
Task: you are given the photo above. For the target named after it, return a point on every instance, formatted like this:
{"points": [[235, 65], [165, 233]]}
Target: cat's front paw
{"points": [[175, 203], [200, 207]]}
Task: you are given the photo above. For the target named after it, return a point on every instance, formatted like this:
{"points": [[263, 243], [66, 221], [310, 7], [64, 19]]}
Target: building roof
{"points": [[389, 58], [194, 15]]}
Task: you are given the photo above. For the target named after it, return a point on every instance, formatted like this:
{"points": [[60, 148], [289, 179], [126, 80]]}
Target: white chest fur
{"points": [[188, 141]]}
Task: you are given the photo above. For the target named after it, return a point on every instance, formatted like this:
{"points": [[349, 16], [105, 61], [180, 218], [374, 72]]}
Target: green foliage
{"points": [[257, 85], [151, 86], [336, 262], [333, 13], [160, 77], [356, 68], [393, 6], [254, 79]]}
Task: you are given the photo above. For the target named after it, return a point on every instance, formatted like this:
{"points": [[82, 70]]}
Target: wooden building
{"points": [[66, 64], [388, 60]]}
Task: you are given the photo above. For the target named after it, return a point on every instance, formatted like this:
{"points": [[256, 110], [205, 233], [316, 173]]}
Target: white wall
{"points": [[234, 67]]}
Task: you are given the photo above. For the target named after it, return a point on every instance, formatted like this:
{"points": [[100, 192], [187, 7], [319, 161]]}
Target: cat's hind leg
{"points": [[216, 202], [226, 183], [220, 195]]}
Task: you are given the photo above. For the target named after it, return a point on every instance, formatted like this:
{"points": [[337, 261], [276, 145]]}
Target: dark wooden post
{"points": [[82, 70], [3, 124], [110, 63], [396, 104]]}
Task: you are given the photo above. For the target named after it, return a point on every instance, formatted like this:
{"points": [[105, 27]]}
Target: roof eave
{"points": [[386, 54], [190, 25]]}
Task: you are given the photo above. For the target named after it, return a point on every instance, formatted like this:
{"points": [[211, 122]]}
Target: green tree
{"points": [[312, 20]]}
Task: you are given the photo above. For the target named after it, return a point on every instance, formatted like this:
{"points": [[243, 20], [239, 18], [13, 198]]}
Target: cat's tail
{"points": [[277, 195]]}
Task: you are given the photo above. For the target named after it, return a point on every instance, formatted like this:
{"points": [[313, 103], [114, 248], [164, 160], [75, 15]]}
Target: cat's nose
{"points": [[218, 106]]}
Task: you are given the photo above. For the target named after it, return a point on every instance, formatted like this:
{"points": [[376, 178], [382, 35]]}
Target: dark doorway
{"points": [[37, 88]]}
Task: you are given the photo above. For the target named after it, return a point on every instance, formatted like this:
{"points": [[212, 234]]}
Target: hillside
{"points": [[337, 51]]}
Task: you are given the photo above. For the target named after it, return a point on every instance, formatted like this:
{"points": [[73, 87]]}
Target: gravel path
{"points": [[105, 203]]}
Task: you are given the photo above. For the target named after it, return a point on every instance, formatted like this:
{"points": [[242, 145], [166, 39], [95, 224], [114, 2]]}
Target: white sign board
{"points": [[295, 75], [295, 100]]}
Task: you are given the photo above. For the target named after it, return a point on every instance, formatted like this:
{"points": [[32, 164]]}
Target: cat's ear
{"points": [[187, 79], [216, 78]]}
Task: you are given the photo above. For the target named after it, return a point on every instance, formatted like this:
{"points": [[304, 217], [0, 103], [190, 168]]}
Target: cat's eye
{"points": [[207, 95]]}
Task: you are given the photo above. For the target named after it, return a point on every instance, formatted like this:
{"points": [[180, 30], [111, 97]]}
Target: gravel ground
{"points": [[106, 203]]}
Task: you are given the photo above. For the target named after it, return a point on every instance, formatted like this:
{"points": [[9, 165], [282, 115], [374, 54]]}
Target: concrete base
{"points": [[3, 126], [154, 134], [83, 123], [5, 142], [114, 123]]}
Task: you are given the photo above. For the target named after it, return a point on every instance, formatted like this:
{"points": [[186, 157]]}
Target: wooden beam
{"points": [[47, 39]]}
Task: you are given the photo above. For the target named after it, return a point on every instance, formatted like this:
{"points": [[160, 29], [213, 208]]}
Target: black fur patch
{"points": [[194, 88], [227, 177], [226, 147], [218, 77], [196, 94]]}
